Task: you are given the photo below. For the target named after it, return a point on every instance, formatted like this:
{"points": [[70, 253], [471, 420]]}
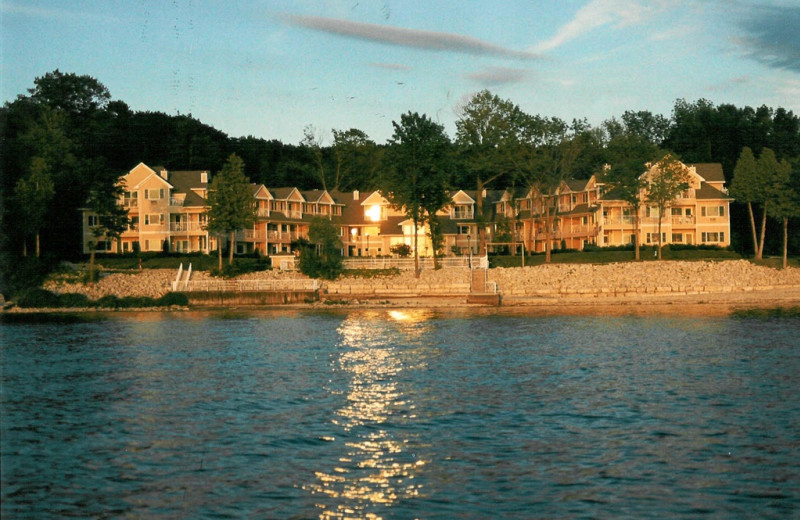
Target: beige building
{"points": [[168, 211]]}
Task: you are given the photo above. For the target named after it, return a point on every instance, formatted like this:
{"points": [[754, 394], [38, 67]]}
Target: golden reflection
{"points": [[375, 468]]}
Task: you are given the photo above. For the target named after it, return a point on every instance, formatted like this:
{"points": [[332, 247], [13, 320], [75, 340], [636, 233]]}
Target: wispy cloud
{"points": [[428, 40], [729, 84], [46, 12], [598, 13], [391, 66], [772, 36], [493, 76]]}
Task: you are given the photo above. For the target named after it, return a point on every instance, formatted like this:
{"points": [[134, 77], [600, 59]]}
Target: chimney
{"points": [[483, 193], [164, 174], [204, 177], [355, 194]]}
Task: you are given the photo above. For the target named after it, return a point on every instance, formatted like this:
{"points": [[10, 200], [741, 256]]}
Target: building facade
{"points": [[168, 212]]}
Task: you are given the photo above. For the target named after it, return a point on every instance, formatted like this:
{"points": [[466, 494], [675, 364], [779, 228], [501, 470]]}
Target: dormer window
{"points": [[373, 213]]}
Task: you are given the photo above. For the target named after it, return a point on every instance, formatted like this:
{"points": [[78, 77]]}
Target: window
{"points": [[652, 237], [712, 237], [677, 238], [152, 219], [92, 220], [651, 211], [134, 223], [712, 211], [463, 230], [154, 194], [677, 212]]}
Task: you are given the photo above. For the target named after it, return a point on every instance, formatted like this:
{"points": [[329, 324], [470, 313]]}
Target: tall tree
{"points": [[111, 217], [312, 141], [748, 187], [627, 156], [416, 169], [231, 204], [485, 130], [357, 159], [545, 154], [664, 182], [33, 195], [785, 200]]}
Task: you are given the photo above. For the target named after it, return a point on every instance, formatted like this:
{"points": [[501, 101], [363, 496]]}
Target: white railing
{"points": [[262, 212], [175, 202], [186, 226], [619, 221], [688, 220], [407, 264], [246, 285]]}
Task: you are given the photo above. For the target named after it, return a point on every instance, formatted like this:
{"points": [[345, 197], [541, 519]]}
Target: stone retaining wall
{"points": [[546, 281]]}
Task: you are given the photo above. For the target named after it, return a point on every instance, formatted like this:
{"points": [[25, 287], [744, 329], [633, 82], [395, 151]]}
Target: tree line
{"points": [[66, 138]]}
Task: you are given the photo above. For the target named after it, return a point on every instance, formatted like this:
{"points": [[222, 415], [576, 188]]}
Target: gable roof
{"points": [[710, 172], [709, 192]]}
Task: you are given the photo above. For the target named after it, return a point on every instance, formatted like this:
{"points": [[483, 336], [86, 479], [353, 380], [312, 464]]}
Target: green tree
{"points": [[485, 130], [784, 199], [416, 173], [627, 156], [33, 195], [545, 155], [357, 159], [321, 254], [312, 141], [748, 187], [664, 182], [231, 204], [111, 217]]}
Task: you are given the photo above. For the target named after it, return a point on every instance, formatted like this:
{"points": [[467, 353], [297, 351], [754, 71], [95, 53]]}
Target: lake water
{"points": [[400, 415]]}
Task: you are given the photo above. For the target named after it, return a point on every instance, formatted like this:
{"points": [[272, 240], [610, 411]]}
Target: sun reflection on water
{"points": [[375, 468]]}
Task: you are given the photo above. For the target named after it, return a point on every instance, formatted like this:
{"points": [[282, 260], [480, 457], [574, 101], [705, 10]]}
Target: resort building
{"points": [[168, 212]]}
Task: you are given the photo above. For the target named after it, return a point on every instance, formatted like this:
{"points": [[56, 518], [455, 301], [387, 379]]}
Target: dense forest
{"points": [[67, 136]]}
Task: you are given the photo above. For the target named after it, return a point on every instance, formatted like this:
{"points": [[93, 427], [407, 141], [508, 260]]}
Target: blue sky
{"points": [[269, 68]]}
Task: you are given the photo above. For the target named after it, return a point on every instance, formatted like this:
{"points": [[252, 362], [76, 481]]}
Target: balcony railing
{"points": [[683, 220], [577, 231], [463, 214], [130, 203], [293, 214], [175, 202], [262, 212], [186, 226], [624, 221]]}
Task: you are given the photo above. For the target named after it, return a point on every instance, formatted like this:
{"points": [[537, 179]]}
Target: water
{"points": [[399, 415]]}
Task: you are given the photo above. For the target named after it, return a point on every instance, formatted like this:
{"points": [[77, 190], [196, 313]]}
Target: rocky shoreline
{"points": [[723, 283]]}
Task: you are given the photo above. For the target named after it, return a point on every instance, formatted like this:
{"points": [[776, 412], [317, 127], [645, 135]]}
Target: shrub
{"points": [[109, 301], [129, 302], [38, 298], [74, 300], [173, 298]]}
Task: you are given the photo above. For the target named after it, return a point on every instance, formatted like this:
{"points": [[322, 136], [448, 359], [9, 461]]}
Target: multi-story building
{"points": [[168, 211], [589, 212]]}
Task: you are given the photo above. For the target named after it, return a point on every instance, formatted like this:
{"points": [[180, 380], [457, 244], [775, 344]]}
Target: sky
{"points": [[270, 68]]}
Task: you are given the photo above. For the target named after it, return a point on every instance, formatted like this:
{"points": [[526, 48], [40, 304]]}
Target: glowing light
{"points": [[373, 213]]}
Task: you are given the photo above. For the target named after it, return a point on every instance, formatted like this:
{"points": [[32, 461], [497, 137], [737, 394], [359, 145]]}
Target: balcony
{"points": [[463, 213], [687, 220], [627, 221], [262, 212], [175, 202], [186, 226], [579, 231], [130, 203]]}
